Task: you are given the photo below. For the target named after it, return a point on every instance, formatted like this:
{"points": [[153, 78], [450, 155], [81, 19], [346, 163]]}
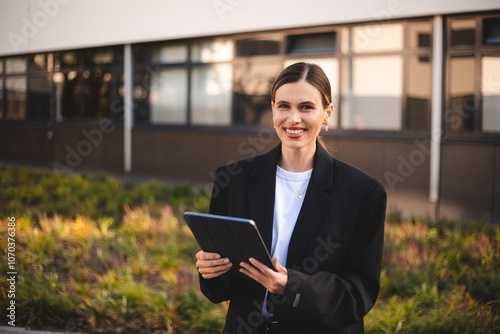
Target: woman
{"points": [[321, 219]]}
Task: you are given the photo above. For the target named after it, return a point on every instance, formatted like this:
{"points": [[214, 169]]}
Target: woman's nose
{"points": [[294, 116]]}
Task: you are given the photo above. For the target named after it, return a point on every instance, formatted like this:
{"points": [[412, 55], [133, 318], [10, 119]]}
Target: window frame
{"points": [[477, 51]]}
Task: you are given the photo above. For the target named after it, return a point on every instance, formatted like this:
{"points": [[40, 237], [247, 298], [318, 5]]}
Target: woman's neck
{"points": [[297, 160]]}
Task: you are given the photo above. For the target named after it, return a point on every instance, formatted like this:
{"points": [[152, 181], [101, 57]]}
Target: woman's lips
{"points": [[294, 132]]}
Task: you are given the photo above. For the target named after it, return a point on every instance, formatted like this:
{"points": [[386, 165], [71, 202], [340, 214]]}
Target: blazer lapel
{"points": [[316, 202], [261, 194]]}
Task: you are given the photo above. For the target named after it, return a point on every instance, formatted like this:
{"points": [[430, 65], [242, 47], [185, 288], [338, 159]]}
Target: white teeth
{"points": [[295, 132]]}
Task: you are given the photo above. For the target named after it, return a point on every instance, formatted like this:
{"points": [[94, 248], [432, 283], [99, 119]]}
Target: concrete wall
{"points": [[28, 26]]}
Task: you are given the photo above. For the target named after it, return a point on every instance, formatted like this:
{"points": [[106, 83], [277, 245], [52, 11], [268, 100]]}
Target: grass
{"points": [[127, 265]]}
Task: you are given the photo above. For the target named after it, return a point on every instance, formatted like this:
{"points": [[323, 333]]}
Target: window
{"points": [[186, 83], [491, 30], [473, 96], [88, 85], [372, 96], [490, 92], [15, 88], [386, 77], [211, 82], [312, 43], [463, 32]]}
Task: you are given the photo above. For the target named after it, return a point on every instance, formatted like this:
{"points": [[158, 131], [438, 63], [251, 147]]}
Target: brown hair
{"points": [[310, 73]]}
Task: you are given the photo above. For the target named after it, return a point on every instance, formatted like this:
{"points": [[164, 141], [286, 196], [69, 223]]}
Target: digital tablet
{"points": [[237, 239]]}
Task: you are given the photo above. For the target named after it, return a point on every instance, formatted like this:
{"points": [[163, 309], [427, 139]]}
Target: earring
{"points": [[326, 127]]}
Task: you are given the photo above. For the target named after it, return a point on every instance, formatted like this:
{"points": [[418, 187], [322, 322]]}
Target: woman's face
{"points": [[298, 114]]}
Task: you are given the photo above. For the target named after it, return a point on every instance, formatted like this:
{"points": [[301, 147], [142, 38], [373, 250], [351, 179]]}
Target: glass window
{"points": [[16, 98], [331, 68], [462, 90], [168, 54], [212, 50], [463, 32], [419, 83], [142, 88], [68, 96], [491, 30], [372, 91], [420, 34], [1, 98], [15, 65], [377, 37], [490, 93], [66, 61], [98, 95], [251, 91], [211, 91], [1, 66], [168, 98], [311, 43], [97, 58], [38, 98], [38, 63], [258, 47]]}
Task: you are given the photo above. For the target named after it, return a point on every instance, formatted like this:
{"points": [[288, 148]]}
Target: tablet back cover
{"points": [[235, 238]]}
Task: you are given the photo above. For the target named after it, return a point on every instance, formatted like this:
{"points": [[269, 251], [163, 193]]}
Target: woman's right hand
{"points": [[211, 265]]}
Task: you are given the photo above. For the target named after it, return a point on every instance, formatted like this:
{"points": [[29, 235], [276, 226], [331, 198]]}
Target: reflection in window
{"points": [[311, 43], [251, 92], [377, 37], [98, 95], [372, 90], [331, 68], [462, 90], [38, 63], [212, 50], [68, 92], [16, 98], [15, 65], [419, 79], [1, 97], [38, 98], [66, 61], [490, 93], [420, 34], [142, 88], [463, 32], [491, 30], [211, 90], [257, 47], [99, 57], [168, 98], [169, 54]]}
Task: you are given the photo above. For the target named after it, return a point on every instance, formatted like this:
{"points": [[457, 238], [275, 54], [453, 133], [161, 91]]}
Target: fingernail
{"points": [[226, 260]]}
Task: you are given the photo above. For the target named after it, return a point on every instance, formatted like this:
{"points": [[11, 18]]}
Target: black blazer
{"points": [[335, 251]]}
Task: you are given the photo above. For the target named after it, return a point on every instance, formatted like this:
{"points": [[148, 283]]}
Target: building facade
{"points": [[171, 90]]}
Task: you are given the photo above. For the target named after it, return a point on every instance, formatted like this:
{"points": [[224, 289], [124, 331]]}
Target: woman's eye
{"points": [[282, 106], [307, 107]]}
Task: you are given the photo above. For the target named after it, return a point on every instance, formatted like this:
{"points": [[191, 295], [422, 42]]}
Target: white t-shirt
{"points": [[287, 205]]}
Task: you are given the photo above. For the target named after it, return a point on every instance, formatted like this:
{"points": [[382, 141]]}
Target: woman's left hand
{"points": [[274, 281]]}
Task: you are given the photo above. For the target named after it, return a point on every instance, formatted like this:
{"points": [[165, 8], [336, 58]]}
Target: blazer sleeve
{"points": [[217, 289], [334, 300]]}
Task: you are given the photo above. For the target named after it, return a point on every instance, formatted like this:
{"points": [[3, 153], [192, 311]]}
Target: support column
{"points": [[128, 115], [436, 109]]}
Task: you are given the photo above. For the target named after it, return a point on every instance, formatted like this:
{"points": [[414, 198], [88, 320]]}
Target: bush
{"points": [[96, 255]]}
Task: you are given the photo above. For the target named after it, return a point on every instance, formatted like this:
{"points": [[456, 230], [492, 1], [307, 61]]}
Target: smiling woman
{"points": [[321, 219]]}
